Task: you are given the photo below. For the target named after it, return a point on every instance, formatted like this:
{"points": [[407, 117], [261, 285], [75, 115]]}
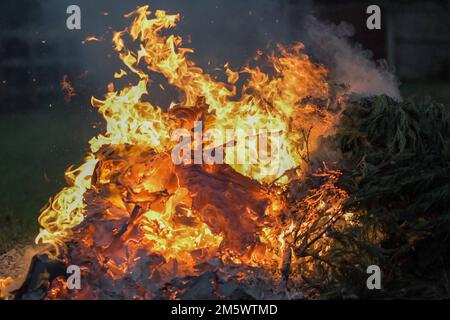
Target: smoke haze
{"points": [[349, 64]]}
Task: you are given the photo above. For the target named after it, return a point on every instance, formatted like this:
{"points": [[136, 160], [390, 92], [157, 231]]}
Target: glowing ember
{"points": [[4, 284], [90, 39], [67, 88]]}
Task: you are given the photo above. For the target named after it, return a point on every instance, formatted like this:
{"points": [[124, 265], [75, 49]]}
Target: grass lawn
{"points": [[36, 149], [38, 146]]}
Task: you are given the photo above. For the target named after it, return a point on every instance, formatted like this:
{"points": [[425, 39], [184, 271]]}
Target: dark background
{"points": [[42, 133]]}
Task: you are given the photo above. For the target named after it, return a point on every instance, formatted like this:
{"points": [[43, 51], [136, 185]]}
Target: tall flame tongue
{"points": [[132, 212]]}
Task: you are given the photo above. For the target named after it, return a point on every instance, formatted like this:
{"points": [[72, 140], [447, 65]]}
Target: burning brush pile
{"points": [[226, 193]]}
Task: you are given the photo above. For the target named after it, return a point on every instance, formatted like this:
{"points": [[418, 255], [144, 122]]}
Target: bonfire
{"points": [[139, 225]]}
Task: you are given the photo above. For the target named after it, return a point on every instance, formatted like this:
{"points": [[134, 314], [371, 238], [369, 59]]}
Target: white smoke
{"points": [[349, 64]]}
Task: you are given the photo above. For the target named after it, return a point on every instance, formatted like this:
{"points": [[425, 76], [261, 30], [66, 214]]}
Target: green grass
{"points": [[36, 149]]}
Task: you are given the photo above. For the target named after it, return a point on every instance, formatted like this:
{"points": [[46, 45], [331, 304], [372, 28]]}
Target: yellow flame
{"points": [[66, 210]]}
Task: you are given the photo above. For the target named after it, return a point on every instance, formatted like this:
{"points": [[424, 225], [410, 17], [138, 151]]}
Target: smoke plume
{"points": [[349, 64]]}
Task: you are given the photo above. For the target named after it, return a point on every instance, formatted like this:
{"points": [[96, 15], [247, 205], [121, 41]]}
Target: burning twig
{"points": [[286, 267], [286, 173], [133, 216], [306, 135]]}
